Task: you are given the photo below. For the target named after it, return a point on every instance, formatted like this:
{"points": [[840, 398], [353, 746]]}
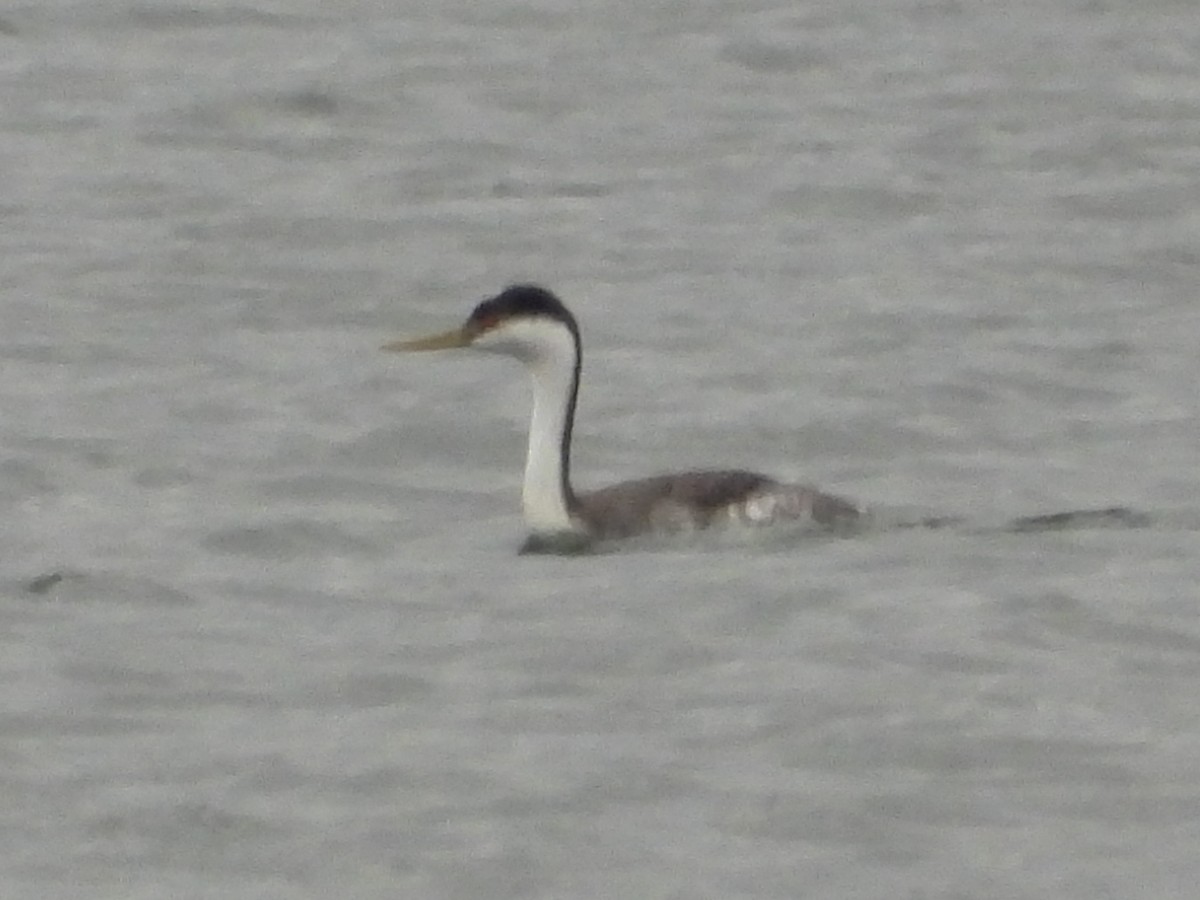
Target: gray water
{"points": [[263, 630]]}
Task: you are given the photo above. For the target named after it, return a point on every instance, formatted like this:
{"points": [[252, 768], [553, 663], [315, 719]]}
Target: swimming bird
{"points": [[530, 323]]}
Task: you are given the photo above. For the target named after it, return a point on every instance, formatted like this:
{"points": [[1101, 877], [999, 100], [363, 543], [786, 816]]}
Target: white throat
{"points": [[548, 350]]}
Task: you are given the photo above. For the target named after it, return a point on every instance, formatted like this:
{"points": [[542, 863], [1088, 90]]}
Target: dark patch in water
{"points": [[1112, 517], [43, 583], [563, 543]]}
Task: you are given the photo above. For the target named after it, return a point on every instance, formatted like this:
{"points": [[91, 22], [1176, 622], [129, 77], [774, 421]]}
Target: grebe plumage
{"points": [[531, 324]]}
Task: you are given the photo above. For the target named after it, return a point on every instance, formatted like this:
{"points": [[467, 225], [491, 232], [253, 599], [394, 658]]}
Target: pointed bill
{"points": [[444, 341]]}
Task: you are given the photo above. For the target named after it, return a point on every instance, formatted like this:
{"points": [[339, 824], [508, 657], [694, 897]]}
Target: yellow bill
{"points": [[444, 341]]}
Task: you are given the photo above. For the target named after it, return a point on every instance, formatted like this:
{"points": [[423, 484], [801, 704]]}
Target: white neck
{"points": [[543, 499], [548, 350]]}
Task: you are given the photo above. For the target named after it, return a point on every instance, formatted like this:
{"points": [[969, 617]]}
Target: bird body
{"points": [[531, 324]]}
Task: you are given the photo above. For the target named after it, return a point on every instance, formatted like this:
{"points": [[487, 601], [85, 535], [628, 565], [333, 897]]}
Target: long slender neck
{"points": [[547, 498]]}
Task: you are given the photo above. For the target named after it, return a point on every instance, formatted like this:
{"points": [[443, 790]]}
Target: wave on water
{"points": [[875, 521]]}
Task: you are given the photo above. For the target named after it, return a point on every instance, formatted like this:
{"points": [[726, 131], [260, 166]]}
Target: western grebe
{"points": [[530, 323]]}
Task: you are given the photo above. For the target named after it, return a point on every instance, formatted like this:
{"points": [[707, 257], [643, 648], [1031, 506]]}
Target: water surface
{"points": [[262, 628]]}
